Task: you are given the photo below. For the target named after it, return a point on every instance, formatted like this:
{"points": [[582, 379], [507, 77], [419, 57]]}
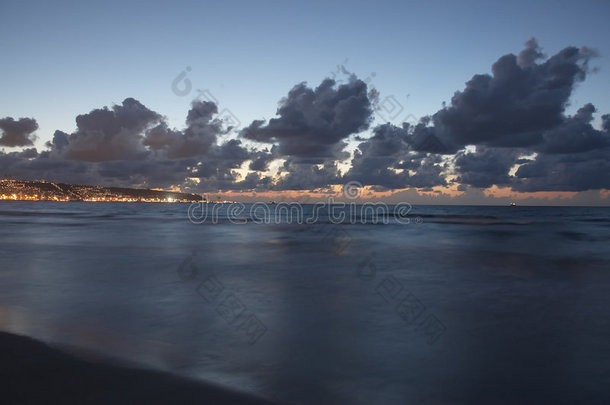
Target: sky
{"points": [[281, 98]]}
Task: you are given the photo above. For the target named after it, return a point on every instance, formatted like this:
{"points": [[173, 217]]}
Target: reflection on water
{"points": [[521, 293]]}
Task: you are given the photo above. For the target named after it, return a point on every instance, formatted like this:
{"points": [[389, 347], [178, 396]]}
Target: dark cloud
{"points": [[59, 142], [222, 160], [23, 167], [606, 122], [29, 153], [516, 103], [312, 122], [131, 145], [423, 139], [514, 117], [261, 159], [575, 135], [486, 166], [387, 160], [565, 172], [297, 175], [518, 112], [17, 133], [151, 173], [201, 133], [110, 134], [532, 52], [571, 157]]}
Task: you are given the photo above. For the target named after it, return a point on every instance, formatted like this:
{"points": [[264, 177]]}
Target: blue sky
{"points": [[64, 59], [504, 133]]}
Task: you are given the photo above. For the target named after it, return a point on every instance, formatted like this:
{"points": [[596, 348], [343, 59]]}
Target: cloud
{"points": [[261, 159], [573, 156], [19, 166], [532, 52], [17, 133], [508, 129], [516, 103], [575, 135], [59, 142], [312, 122], [565, 172], [486, 166], [109, 134], [387, 160], [298, 175], [201, 133], [130, 145], [519, 111]]}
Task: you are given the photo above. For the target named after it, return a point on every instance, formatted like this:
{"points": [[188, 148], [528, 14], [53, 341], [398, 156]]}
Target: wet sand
{"points": [[34, 372]]}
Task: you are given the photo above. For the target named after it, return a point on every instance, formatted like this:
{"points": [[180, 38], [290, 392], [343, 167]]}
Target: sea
{"points": [[309, 305]]}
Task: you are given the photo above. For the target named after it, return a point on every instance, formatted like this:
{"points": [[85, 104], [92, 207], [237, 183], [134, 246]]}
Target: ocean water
{"points": [[437, 305]]}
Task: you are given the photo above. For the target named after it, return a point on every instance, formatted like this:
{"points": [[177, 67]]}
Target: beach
{"points": [[33, 372], [465, 304]]}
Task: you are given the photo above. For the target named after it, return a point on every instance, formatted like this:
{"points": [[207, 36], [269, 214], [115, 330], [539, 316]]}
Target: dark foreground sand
{"points": [[33, 372]]}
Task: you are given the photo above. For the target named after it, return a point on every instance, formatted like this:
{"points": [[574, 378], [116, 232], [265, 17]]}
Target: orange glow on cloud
{"points": [[450, 191], [507, 192], [336, 191], [368, 194]]}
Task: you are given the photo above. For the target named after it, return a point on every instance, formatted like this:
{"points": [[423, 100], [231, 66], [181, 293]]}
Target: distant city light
{"points": [[40, 190]]}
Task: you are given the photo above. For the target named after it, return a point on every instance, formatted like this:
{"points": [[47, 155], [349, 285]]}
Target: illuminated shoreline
{"points": [[26, 198], [42, 190]]}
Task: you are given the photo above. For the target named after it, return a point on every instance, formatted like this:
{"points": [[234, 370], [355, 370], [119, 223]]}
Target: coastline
{"points": [[34, 372]]}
